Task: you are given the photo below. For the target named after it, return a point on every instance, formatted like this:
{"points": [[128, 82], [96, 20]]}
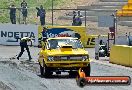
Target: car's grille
{"points": [[65, 58]]}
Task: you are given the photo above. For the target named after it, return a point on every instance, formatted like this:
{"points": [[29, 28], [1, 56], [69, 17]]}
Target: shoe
{"points": [[17, 58]]}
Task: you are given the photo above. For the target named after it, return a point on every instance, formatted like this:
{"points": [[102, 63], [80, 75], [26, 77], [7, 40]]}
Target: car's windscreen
{"points": [[57, 43]]}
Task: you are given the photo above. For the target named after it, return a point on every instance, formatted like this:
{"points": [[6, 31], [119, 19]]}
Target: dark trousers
{"points": [[42, 20], [22, 50], [13, 19]]}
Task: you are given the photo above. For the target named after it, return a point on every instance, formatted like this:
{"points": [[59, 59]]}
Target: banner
{"points": [[62, 31], [10, 34]]}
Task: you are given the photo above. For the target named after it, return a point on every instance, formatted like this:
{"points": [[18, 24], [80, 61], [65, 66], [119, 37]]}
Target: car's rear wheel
{"points": [[87, 70]]}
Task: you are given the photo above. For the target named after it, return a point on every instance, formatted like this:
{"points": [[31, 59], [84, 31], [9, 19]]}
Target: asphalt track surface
{"points": [[24, 75]]}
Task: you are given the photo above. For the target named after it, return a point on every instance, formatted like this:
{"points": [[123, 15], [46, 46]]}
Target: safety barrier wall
{"points": [[121, 54], [130, 56], [11, 34]]}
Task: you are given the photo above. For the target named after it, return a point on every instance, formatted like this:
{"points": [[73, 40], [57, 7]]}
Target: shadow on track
{"points": [[58, 77]]}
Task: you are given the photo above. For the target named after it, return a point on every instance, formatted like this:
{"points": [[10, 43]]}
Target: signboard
{"points": [[10, 34], [106, 21], [62, 31]]}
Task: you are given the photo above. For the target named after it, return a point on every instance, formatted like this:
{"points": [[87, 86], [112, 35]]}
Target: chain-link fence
{"points": [[53, 16]]}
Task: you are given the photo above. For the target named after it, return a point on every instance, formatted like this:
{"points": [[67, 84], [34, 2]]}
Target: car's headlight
{"points": [[51, 58], [84, 58]]}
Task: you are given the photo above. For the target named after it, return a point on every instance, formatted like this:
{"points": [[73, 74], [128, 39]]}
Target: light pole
{"points": [[52, 12]]}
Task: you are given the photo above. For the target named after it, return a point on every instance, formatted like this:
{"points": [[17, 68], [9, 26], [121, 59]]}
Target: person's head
{"points": [[23, 0], [44, 28], [29, 39], [78, 12], [74, 12], [12, 5], [41, 7]]}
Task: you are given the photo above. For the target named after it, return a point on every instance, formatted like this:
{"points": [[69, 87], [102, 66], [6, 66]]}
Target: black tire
{"points": [[46, 71], [87, 70]]}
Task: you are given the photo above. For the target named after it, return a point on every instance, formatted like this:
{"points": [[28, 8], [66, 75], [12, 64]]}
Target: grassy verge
{"points": [[4, 14]]}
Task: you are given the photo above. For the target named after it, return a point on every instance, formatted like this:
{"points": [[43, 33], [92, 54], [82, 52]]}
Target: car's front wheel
{"points": [[87, 70], [45, 71]]}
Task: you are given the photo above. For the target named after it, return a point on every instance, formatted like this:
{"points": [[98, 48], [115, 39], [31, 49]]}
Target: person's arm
{"points": [[21, 4]]}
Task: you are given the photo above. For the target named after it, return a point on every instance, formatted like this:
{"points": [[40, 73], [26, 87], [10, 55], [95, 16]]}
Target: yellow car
{"points": [[63, 54]]}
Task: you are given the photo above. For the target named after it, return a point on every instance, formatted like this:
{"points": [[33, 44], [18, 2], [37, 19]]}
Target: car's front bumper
{"points": [[59, 64]]}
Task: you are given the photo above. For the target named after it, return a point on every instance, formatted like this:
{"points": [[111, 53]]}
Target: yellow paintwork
{"points": [[126, 10], [121, 54], [44, 53], [78, 29]]}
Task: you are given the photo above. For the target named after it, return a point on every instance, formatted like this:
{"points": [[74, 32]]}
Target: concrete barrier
{"points": [[121, 54], [130, 61]]}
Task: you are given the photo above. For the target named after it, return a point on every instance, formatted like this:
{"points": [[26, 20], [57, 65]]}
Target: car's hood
{"points": [[70, 52]]}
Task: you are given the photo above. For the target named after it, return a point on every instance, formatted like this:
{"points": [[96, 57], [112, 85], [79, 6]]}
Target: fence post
{"points": [[85, 18], [52, 13], [19, 16]]}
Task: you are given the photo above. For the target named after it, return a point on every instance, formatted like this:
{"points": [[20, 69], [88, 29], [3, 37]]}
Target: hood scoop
{"points": [[66, 48]]}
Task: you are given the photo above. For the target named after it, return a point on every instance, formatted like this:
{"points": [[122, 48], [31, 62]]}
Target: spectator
{"points": [[24, 13], [79, 13], [41, 12], [23, 4], [74, 15], [13, 14], [78, 21]]}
